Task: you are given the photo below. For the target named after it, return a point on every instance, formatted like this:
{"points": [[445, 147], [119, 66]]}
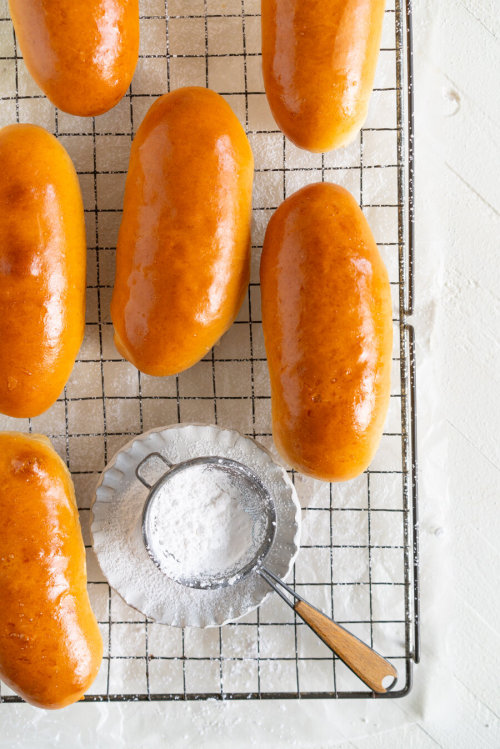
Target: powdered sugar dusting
{"points": [[201, 524]]}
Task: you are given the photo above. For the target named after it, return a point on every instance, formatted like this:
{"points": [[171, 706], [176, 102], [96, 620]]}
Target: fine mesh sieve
{"points": [[244, 488]]}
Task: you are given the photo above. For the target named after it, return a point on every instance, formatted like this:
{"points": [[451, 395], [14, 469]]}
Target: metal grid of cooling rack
{"points": [[358, 560]]}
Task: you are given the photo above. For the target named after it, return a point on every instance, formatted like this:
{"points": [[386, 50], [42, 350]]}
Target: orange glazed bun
{"points": [[327, 319], [319, 59], [183, 255], [82, 53], [42, 270], [50, 644]]}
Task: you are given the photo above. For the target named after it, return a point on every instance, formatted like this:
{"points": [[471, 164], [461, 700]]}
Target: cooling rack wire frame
{"points": [[359, 556]]}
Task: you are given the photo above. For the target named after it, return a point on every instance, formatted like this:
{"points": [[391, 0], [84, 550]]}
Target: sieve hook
{"points": [[145, 460]]}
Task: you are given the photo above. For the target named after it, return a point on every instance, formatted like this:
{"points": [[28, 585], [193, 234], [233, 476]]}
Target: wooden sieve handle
{"points": [[371, 668]]}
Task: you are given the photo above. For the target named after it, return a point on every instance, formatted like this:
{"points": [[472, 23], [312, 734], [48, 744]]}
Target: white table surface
{"points": [[456, 698]]}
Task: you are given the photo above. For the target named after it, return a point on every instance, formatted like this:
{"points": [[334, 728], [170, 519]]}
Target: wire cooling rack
{"points": [[358, 560]]}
